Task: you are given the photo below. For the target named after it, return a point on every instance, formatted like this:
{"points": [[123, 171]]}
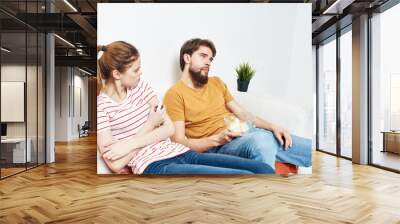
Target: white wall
{"points": [[274, 38], [17, 73], [61, 103], [66, 119], [80, 83], [33, 126]]}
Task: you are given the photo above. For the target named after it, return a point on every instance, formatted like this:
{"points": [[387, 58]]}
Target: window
{"points": [[327, 96], [385, 85], [346, 94]]}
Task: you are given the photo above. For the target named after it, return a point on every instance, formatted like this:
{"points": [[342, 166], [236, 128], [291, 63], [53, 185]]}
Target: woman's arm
{"points": [[118, 154], [146, 135], [104, 138], [149, 126], [158, 127], [121, 148]]}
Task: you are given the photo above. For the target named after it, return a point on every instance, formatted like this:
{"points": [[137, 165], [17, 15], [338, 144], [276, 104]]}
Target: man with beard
{"points": [[198, 104]]}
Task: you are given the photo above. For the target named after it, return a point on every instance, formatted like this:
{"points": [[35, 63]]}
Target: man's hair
{"points": [[193, 45]]}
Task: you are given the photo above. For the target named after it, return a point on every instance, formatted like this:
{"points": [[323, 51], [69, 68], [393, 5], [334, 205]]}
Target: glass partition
{"points": [[22, 78]]}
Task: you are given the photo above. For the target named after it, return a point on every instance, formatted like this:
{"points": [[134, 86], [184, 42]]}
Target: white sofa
{"points": [[279, 112], [292, 118], [102, 168]]}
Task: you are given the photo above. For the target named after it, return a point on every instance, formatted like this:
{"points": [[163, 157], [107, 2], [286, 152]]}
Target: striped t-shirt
{"points": [[126, 118]]}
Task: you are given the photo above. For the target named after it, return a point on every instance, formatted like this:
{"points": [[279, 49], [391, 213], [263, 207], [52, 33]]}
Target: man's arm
{"points": [[245, 115], [202, 144], [281, 134], [174, 103]]}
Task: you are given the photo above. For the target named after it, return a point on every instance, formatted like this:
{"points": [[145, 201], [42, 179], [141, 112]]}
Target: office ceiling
{"points": [[77, 23]]}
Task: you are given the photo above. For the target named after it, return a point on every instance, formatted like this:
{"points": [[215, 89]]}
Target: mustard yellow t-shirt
{"points": [[202, 110]]}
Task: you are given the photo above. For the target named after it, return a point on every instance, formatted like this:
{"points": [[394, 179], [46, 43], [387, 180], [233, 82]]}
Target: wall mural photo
{"points": [[193, 89]]}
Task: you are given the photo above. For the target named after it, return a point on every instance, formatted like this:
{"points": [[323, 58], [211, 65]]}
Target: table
{"points": [[391, 141], [13, 150]]}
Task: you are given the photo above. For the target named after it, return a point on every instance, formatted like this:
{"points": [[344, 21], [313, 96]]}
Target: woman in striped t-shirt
{"points": [[132, 132]]}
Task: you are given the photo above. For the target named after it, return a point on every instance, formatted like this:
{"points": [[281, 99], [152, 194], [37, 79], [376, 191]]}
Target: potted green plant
{"points": [[244, 73]]}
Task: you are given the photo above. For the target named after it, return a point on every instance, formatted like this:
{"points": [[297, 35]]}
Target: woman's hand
{"points": [[156, 118], [115, 151], [124, 170]]}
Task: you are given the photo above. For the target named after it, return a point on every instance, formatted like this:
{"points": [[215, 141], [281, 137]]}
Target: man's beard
{"points": [[198, 79]]}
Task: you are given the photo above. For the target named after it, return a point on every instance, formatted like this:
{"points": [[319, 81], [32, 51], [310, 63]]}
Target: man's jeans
{"points": [[192, 162], [261, 145]]}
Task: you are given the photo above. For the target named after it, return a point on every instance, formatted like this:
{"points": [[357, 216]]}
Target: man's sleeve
{"points": [[227, 94], [174, 105]]}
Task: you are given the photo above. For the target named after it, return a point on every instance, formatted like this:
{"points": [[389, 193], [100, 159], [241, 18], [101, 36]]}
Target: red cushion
{"points": [[284, 168]]}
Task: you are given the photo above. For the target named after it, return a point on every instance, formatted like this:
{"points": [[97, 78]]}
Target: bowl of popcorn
{"points": [[235, 125]]}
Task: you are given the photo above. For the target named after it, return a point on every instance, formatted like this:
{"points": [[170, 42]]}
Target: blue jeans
{"points": [[261, 145], [192, 162]]}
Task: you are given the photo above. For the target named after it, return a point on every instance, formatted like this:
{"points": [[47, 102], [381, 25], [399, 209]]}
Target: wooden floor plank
{"points": [[70, 191]]}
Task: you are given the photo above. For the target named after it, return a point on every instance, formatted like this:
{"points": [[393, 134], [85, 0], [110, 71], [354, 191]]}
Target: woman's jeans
{"points": [[261, 145], [192, 162]]}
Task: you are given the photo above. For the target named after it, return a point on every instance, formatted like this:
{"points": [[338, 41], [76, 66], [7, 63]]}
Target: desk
{"points": [[391, 141], [15, 148]]}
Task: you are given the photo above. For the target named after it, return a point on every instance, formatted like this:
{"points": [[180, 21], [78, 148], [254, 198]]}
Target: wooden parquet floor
{"points": [[70, 191]]}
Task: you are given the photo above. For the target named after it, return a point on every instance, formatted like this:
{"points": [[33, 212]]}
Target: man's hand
{"points": [[283, 137], [114, 151], [224, 137]]}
